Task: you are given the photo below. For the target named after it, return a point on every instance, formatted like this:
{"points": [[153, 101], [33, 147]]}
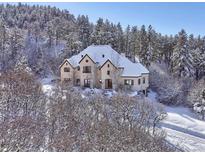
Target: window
{"points": [[66, 69], [86, 61], [87, 83], [66, 80], [77, 82], [132, 82], [82, 56], [108, 65], [103, 55], [86, 69], [143, 80], [78, 68], [139, 81], [108, 72], [126, 82], [129, 82]]}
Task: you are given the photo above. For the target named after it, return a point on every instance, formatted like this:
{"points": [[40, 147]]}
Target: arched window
{"points": [[66, 69]]}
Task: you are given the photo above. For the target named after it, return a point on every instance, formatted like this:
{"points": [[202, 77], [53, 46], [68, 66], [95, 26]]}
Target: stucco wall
{"points": [[113, 74], [66, 75], [91, 75], [98, 75], [136, 86]]}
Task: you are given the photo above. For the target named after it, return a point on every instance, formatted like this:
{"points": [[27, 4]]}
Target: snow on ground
{"points": [[183, 128], [88, 92], [132, 94], [47, 85], [85, 93]]}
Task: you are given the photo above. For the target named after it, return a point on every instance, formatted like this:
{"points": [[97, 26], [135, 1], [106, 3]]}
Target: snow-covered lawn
{"points": [[183, 128]]}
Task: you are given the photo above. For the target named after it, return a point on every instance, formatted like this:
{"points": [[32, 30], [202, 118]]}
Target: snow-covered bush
{"points": [[170, 90], [100, 123], [22, 112], [66, 121], [196, 97]]}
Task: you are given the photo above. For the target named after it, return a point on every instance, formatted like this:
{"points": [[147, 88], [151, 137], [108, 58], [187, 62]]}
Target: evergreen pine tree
{"points": [[182, 60], [84, 30], [143, 52], [3, 45], [119, 39], [134, 43], [97, 35], [127, 41]]}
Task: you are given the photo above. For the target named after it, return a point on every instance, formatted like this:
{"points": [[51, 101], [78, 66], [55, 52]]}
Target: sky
{"points": [[166, 18]]}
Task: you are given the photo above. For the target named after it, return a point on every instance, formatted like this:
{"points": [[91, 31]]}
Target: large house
{"points": [[101, 66]]}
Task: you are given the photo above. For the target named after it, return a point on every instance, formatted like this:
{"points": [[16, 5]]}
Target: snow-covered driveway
{"points": [[183, 128]]}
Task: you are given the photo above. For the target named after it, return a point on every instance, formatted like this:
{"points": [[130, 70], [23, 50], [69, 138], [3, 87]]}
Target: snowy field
{"points": [[183, 128]]}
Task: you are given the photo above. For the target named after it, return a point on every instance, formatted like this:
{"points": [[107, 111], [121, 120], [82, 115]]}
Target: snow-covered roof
{"points": [[101, 53]]}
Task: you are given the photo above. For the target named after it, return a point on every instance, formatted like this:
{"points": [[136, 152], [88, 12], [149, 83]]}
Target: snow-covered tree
{"points": [[22, 64], [196, 97], [97, 35], [22, 106], [182, 60], [152, 44], [144, 53], [3, 45], [127, 41], [16, 45], [120, 39], [84, 30], [134, 42]]}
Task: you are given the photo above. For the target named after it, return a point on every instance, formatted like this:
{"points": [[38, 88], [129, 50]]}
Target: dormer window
{"points": [[103, 55], [82, 56]]}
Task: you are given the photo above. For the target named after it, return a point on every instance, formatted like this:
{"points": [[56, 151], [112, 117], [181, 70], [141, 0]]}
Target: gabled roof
{"points": [[106, 62], [86, 56], [101, 53], [66, 60]]}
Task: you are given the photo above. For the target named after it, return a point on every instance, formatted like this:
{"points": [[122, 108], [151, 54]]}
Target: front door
{"points": [[108, 84], [87, 83]]}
